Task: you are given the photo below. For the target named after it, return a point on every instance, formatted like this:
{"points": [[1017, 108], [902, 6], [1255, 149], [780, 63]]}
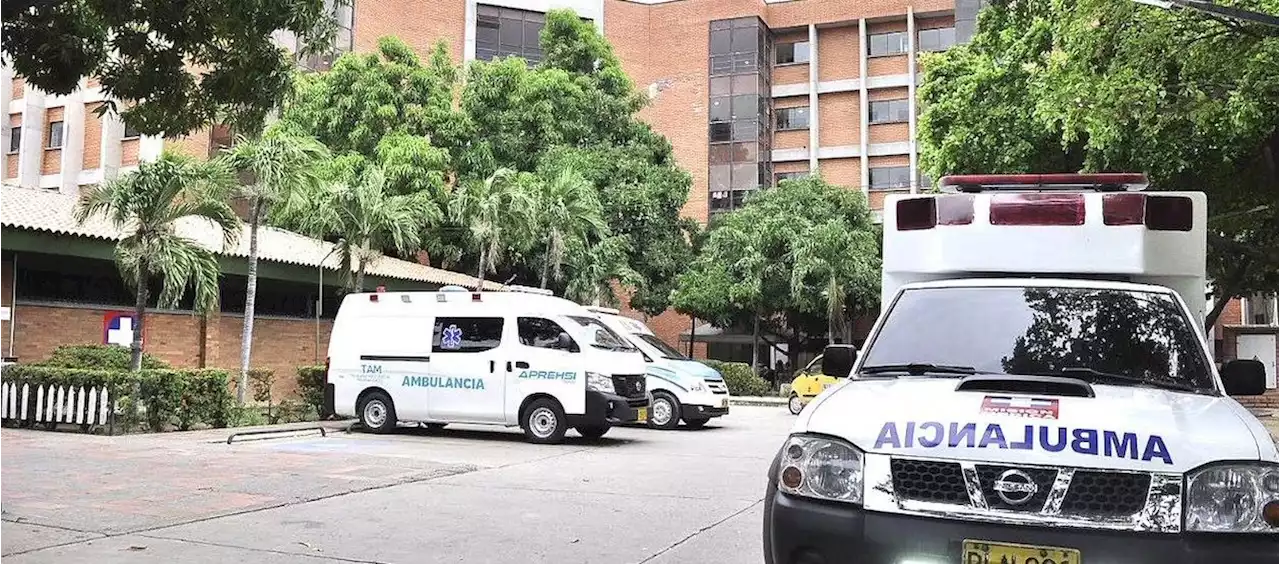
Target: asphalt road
{"points": [[459, 495]]}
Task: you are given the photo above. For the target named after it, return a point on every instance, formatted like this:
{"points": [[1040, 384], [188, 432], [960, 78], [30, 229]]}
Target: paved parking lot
{"points": [[460, 495]]}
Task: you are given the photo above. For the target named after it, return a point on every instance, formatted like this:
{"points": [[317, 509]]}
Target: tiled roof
{"points": [[53, 212]]}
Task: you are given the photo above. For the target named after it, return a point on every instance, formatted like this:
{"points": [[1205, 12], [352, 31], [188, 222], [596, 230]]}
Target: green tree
{"points": [[275, 166], [499, 215], [357, 208], [567, 213], [144, 53], [800, 259], [595, 268], [147, 206], [1105, 85]]}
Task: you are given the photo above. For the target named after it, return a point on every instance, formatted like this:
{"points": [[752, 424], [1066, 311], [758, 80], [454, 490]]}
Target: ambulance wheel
{"points": [[544, 422], [378, 413], [695, 423], [794, 405], [664, 412], [592, 431]]}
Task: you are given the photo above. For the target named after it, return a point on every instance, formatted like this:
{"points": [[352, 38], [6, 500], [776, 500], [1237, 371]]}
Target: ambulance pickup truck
{"points": [[508, 358], [1037, 390], [682, 388]]}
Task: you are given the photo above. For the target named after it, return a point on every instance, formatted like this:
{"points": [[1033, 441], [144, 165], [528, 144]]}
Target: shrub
{"points": [[98, 357], [311, 386], [740, 379], [261, 380], [171, 398]]}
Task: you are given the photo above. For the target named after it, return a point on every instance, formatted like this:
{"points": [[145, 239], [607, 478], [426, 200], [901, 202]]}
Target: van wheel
{"points": [[664, 412], [543, 422], [794, 405], [695, 423], [378, 413], [592, 431]]}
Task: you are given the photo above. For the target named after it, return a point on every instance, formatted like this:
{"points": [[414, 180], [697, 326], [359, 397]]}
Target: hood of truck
{"points": [[1122, 427]]}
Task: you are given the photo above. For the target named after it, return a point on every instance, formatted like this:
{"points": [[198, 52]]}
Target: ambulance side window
{"points": [[541, 333], [466, 334]]}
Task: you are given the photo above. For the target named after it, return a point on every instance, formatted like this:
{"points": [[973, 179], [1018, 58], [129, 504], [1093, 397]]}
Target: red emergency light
{"points": [[1101, 182]]}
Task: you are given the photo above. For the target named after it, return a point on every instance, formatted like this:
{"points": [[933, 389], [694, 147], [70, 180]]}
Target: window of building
{"points": [[890, 177], [1260, 310], [15, 137], [890, 111], [130, 132], [541, 333], [926, 182], [55, 135], [788, 53], [501, 32], [778, 177], [792, 118], [466, 334], [937, 39], [885, 44]]}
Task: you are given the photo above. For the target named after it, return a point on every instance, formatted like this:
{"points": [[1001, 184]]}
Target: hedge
{"points": [[311, 381], [172, 399], [98, 357], [740, 379]]}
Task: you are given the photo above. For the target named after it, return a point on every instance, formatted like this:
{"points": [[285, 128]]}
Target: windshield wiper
{"points": [[1113, 377], [918, 369]]}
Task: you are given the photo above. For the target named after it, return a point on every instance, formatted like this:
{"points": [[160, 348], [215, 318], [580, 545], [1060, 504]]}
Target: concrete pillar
{"points": [[813, 99], [110, 147], [911, 97], [863, 106], [73, 141], [32, 150]]}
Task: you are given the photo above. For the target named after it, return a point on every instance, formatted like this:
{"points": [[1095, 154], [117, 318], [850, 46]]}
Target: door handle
{"points": [[521, 364], [491, 367]]}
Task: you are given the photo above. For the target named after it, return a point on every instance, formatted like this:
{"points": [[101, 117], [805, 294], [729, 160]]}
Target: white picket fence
{"points": [[56, 404]]}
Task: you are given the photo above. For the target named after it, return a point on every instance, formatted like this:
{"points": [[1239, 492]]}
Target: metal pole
{"points": [[13, 305], [319, 305]]}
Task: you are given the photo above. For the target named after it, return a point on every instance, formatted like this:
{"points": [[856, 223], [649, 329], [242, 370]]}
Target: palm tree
{"points": [[365, 216], [568, 212], [146, 206], [593, 270], [275, 166], [497, 213]]}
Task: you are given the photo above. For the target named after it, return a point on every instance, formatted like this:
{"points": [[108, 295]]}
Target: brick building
{"points": [[747, 91]]}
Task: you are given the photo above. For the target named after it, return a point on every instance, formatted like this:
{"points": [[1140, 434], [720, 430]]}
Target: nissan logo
{"points": [[1015, 487]]}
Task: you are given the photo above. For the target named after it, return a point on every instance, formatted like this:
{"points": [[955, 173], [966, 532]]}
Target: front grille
{"points": [[629, 385], [1106, 494], [928, 480], [1042, 478], [717, 387]]}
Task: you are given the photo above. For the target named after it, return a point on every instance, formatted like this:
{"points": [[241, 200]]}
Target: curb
{"points": [[758, 401]]}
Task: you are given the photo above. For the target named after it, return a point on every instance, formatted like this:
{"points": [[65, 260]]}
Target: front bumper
{"points": [[611, 409], [798, 530], [703, 411]]}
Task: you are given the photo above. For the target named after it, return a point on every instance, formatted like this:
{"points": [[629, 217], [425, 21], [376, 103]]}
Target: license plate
{"points": [[642, 414], [983, 552]]}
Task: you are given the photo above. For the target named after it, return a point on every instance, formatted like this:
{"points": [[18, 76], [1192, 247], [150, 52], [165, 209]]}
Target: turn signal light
{"points": [[791, 477], [1157, 213], [1037, 209], [1271, 513]]}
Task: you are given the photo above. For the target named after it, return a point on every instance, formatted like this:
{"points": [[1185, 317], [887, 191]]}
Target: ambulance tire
{"points": [[695, 423], [592, 432], [794, 404], [378, 413], [671, 408], [544, 422]]}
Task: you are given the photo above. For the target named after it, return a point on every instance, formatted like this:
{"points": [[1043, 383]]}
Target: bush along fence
{"points": [[740, 379], [90, 389]]}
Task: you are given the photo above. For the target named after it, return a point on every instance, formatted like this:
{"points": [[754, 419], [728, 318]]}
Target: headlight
{"points": [[598, 382], [821, 467], [1233, 498], [696, 386]]}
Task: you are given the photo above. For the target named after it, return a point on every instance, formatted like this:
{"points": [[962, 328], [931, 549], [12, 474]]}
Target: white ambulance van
{"points": [[1037, 390], [507, 358], [682, 388]]}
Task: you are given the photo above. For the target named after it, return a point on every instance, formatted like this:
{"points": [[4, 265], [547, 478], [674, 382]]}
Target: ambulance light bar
{"points": [[1155, 212], [1102, 182]]}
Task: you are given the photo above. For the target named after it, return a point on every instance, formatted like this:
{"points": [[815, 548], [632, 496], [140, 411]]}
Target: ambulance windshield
{"points": [[1099, 335], [603, 336], [666, 350]]}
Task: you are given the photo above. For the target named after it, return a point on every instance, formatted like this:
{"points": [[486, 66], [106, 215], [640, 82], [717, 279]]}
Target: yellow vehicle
{"points": [[807, 384]]}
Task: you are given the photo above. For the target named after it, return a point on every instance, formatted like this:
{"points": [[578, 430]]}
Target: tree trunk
{"points": [[693, 328], [139, 311], [1222, 293], [484, 255], [546, 266], [359, 275], [251, 290]]}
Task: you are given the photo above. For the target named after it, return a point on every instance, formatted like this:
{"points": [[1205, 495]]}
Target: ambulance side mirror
{"points": [[1244, 377], [837, 360]]}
